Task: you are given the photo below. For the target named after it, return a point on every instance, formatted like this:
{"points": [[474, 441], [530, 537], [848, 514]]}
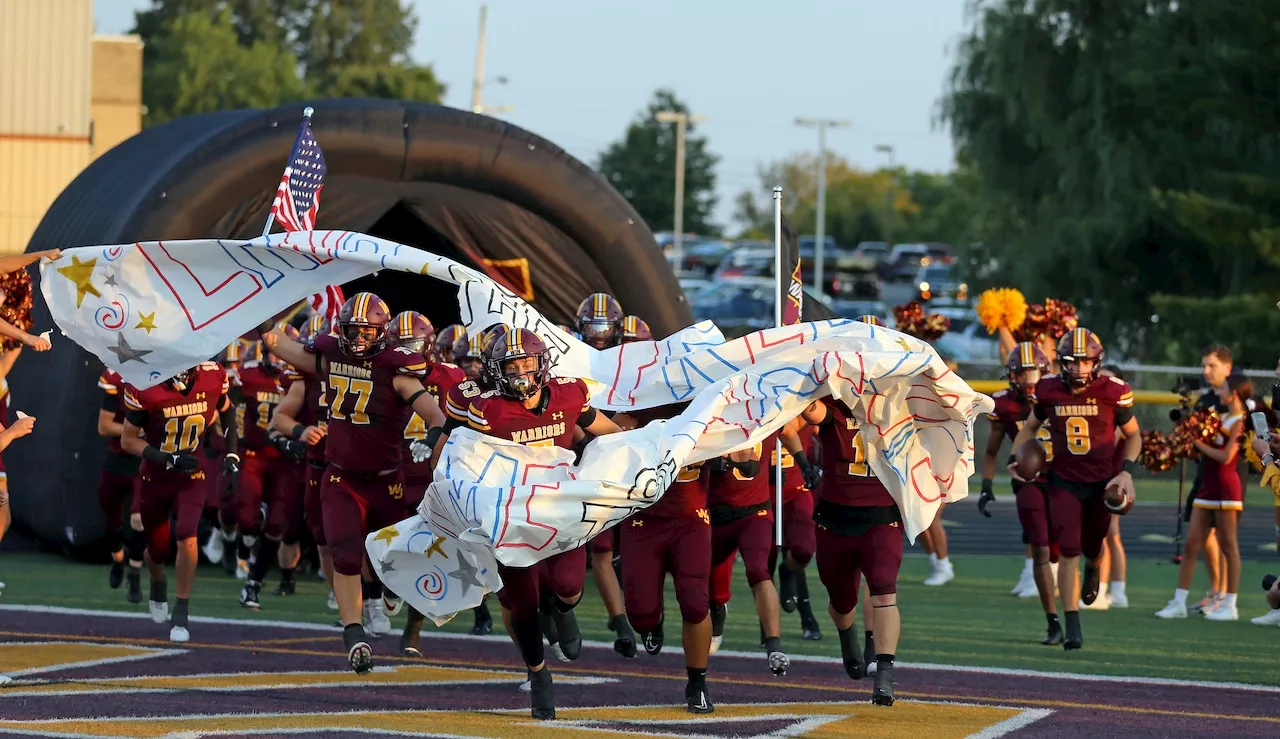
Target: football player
{"points": [[1083, 410], [116, 485], [413, 331], [529, 406], [165, 425], [446, 339], [635, 329], [370, 385], [1025, 366], [302, 416], [799, 478], [269, 473], [224, 544], [468, 354], [741, 512], [599, 320]]}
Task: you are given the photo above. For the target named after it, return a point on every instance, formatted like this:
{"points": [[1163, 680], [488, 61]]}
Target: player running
{"points": [[116, 489]]}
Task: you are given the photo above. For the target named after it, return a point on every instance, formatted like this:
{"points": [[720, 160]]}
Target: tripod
{"points": [[1177, 534]]}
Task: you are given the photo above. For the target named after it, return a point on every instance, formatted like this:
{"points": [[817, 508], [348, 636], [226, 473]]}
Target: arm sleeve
{"points": [[137, 418], [452, 424], [1123, 415], [110, 402], [587, 417]]}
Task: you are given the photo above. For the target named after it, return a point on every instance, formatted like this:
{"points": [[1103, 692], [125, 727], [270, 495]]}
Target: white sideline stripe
{"points": [[1008, 726], [801, 658]]}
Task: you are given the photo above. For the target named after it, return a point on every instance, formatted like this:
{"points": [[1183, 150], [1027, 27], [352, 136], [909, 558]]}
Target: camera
{"points": [[1185, 386]]}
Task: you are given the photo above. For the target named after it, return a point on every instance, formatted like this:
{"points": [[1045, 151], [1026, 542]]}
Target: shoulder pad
{"points": [[403, 350], [1000, 393], [566, 380], [209, 366], [1117, 380]]}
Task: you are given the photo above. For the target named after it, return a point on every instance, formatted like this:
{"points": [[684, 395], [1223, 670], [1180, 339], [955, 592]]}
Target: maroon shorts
{"points": [[654, 547], [1033, 514], [1080, 525], [284, 501], [114, 493], [262, 479], [521, 586], [752, 537], [606, 541], [355, 504], [797, 528], [164, 495], [311, 503], [214, 485], [722, 580], [844, 560]]}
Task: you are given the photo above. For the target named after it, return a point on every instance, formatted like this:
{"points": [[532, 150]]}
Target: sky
{"points": [[580, 70]]}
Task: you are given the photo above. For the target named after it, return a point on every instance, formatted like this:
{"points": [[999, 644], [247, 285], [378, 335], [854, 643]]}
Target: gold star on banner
{"points": [[81, 273], [387, 534], [903, 343], [147, 321]]}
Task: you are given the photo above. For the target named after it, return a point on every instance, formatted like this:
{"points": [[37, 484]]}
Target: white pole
{"points": [[677, 243], [477, 84], [820, 245], [782, 274], [271, 217]]}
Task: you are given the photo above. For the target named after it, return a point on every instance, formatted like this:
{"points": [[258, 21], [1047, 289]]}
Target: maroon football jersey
{"points": [[366, 414], [504, 418], [110, 383], [735, 489], [314, 412], [1083, 425], [1012, 412], [847, 479], [792, 479], [440, 379], [176, 421], [261, 392], [687, 496]]}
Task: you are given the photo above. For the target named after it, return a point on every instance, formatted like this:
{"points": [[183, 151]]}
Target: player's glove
{"points": [[292, 450], [986, 497], [812, 475], [185, 463], [421, 451], [231, 469]]}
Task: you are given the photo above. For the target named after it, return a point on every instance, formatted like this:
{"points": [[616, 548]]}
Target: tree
{"points": [[642, 166], [336, 48]]}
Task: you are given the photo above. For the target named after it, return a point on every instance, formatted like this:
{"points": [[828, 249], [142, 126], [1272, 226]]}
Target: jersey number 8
{"points": [[1078, 435]]}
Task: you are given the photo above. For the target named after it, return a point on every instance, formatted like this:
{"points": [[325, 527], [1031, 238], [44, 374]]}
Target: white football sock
{"points": [[1180, 596]]}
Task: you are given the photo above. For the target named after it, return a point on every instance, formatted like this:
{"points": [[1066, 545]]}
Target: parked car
{"points": [[740, 305], [939, 282], [745, 262], [967, 340], [855, 277], [693, 286], [906, 259], [858, 308], [706, 256]]}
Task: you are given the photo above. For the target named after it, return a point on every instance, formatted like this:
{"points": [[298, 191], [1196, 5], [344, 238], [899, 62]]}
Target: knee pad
{"points": [[802, 555]]}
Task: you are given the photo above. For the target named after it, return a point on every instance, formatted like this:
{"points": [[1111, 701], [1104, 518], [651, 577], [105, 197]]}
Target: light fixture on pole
{"points": [[682, 121], [820, 245], [477, 84], [886, 149]]}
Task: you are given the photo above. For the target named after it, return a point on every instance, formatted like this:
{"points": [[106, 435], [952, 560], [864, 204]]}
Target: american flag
{"points": [[298, 198], [298, 202]]}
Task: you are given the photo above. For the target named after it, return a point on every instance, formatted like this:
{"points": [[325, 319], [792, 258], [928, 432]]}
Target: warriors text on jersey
{"points": [[176, 421], [1083, 425], [563, 405], [1011, 412], [366, 413], [847, 478]]}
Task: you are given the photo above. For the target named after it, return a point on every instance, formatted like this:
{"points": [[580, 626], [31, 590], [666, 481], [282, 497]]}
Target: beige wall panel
{"points": [[32, 175], [45, 62]]}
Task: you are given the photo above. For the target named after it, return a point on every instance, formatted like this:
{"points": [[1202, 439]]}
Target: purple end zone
{"points": [[1080, 707]]}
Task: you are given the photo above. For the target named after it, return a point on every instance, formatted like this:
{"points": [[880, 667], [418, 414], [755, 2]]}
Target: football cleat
{"points": [[411, 644], [1090, 584], [542, 695], [159, 611], [1053, 635], [360, 657], [942, 574], [333, 601], [883, 693], [287, 587], [654, 640], [779, 663], [810, 631], [391, 603], [1173, 609], [1075, 636], [527, 685], [179, 635], [376, 621], [484, 621], [5, 680], [570, 635], [249, 595], [854, 664], [718, 616], [116, 576], [135, 586], [697, 699]]}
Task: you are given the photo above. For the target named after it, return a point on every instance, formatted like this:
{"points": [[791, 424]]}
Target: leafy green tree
{"points": [[641, 166]]}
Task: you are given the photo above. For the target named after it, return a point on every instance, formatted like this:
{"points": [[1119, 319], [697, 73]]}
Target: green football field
{"points": [[971, 621]]}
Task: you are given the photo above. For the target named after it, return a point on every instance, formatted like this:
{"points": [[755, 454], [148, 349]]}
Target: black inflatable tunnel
{"points": [[469, 187]]}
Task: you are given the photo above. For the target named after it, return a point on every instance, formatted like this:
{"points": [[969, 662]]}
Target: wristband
{"points": [[433, 435], [297, 431], [1129, 466], [1268, 459]]}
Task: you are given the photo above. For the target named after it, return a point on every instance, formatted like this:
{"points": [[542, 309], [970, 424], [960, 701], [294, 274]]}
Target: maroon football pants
{"points": [[168, 494], [844, 560], [752, 537], [1080, 526], [355, 504], [521, 591], [653, 547]]}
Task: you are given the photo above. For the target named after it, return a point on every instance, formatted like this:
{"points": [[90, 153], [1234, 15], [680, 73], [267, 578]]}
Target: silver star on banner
{"points": [[564, 545], [127, 353], [110, 280], [386, 566], [466, 574]]}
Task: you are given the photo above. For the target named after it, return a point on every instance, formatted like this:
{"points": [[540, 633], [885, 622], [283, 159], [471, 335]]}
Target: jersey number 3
{"points": [[1078, 435], [361, 389]]}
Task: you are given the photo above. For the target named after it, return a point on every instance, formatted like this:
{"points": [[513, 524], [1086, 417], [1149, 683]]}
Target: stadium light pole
{"points": [[682, 121], [887, 149], [820, 245], [477, 84]]}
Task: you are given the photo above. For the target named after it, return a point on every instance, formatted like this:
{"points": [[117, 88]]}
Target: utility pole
{"points": [[888, 218], [477, 84], [682, 120], [820, 245]]}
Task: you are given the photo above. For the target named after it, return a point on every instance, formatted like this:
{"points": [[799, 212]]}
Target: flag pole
{"points": [[306, 116], [778, 292]]}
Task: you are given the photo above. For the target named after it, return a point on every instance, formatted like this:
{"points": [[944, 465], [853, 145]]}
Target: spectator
{"points": [[1267, 450], [1216, 366]]}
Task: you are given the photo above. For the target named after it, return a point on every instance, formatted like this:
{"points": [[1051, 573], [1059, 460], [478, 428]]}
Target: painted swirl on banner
{"points": [[112, 316]]}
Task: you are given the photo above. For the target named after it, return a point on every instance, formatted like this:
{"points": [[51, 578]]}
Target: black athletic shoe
{"points": [[135, 586], [1053, 635], [625, 642], [117, 575], [787, 590], [410, 643], [542, 695], [360, 657], [1089, 586], [250, 594], [1075, 635], [570, 636], [854, 665], [811, 630], [286, 587], [779, 663], [883, 693], [654, 640], [697, 699], [484, 621]]}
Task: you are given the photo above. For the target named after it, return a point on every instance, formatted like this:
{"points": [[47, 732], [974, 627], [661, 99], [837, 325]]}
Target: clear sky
{"points": [[579, 70]]}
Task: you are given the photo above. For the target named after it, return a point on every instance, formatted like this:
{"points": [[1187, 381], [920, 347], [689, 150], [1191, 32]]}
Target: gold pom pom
{"points": [[1001, 307]]}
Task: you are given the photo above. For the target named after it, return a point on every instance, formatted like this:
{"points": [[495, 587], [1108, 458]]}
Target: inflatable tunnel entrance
{"points": [[469, 187]]}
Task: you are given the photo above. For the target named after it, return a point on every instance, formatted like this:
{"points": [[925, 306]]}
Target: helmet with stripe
{"points": [[599, 320], [468, 354], [1027, 363], [446, 339], [316, 325], [413, 331], [233, 354], [518, 364], [364, 325], [872, 319], [1080, 357], [256, 355], [635, 329], [182, 381]]}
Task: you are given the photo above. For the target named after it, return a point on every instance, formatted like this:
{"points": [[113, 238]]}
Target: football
{"points": [[1030, 459], [1116, 501]]}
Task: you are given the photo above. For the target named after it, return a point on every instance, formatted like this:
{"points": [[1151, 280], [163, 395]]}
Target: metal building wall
{"points": [[117, 91], [45, 89]]}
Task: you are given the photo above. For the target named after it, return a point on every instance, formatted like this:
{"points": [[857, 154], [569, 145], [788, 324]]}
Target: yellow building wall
{"points": [[117, 91], [45, 57], [33, 172]]}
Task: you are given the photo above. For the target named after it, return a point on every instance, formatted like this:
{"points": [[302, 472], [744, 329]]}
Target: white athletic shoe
{"points": [[1119, 600], [1174, 609], [376, 621], [159, 611], [559, 653], [716, 641], [214, 548], [1025, 580], [527, 685], [1030, 592], [391, 605], [242, 569], [942, 574], [1222, 613], [1101, 603], [1268, 619], [179, 635], [5, 679], [333, 601]]}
